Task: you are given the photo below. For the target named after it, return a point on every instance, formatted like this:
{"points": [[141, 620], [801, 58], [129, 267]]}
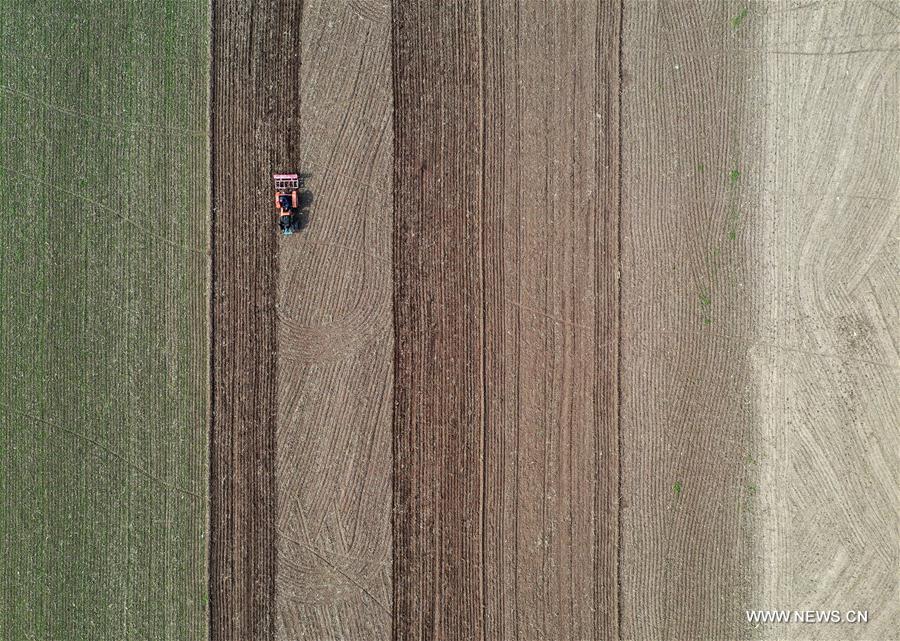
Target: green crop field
{"points": [[103, 319]]}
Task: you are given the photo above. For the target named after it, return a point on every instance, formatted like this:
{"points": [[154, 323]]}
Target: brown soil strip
{"points": [[689, 163], [254, 102], [506, 321]]}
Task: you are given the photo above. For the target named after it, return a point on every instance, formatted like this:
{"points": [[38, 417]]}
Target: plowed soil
{"points": [[302, 344], [625, 310], [506, 255], [253, 112]]}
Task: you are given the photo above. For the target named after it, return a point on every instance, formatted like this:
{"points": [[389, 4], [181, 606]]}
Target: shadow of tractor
{"points": [[305, 203]]}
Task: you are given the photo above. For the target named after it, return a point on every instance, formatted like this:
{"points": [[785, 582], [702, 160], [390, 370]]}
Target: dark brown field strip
{"points": [[254, 103], [506, 320]]}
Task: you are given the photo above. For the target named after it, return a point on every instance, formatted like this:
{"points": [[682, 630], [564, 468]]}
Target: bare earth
{"points": [[689, 153], [335, 340], [826, 311], [639, 263], [250, 139], [506, 249]]}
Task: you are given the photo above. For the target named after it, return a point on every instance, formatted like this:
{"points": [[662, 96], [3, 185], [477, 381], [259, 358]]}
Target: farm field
{"points": [[628, 335], [589, 330], [506, 251], [645, 313], [825, 357], [249, 112], [103, 332], [302, 349], [335, 339]]}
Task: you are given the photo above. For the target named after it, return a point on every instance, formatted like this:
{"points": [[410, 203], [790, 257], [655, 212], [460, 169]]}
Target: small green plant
{"points": [[734, 175], [677, 488], [705, 302], [701, 167], [752, 489], [739, 18], [734, 218]]}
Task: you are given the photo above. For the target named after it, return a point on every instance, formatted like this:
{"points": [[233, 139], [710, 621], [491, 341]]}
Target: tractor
{"points": [[287, 201]]}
